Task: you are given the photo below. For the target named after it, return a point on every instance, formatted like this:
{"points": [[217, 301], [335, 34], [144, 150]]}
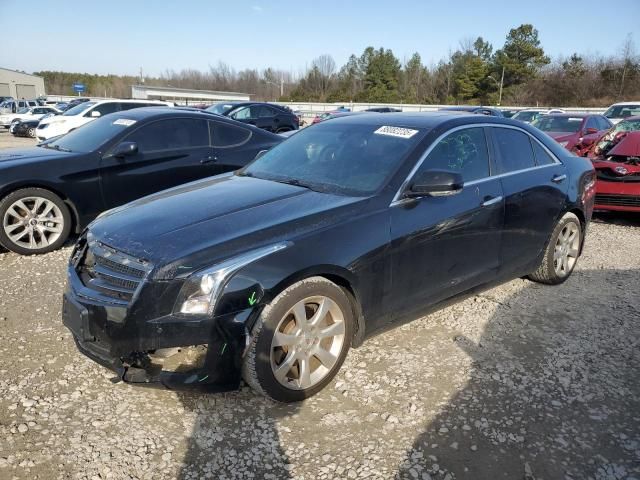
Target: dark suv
{"points": [[268, 116]]}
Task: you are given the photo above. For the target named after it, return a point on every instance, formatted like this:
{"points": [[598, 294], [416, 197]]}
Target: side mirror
{"points": [[260, 153], [435, 183], [95, 114], [125, 149], [590, 131]]}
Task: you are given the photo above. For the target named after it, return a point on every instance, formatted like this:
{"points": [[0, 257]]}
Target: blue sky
{"points": [[120, 36]]}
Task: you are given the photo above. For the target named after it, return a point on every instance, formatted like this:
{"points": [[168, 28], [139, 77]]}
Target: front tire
{"points": [[562, 252], [33, 221], [299, 341]]}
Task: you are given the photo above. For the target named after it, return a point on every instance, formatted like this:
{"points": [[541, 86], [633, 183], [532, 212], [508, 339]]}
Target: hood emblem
{"points": [[621, 170]]}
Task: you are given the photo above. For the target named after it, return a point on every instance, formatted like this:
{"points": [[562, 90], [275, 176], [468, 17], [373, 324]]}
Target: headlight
{"points": [[563, 144], [201, 290]]}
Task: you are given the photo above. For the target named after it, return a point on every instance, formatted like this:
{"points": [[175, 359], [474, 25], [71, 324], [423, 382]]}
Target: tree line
{"points": [[517, 73]]}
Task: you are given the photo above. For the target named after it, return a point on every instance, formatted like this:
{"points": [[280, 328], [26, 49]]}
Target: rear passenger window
{"points": [[514, 150], [171, 134], [542, 157], [224, 135], [105, 109], [463, 151]]}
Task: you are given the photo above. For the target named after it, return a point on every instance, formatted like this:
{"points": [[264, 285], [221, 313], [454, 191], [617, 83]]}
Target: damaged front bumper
{"points": [[170, 351]]}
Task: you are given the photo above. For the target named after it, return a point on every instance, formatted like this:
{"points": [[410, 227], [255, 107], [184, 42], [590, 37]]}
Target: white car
{"points": [[622, 110], [528, 115], [27, 113], [85, 112]]}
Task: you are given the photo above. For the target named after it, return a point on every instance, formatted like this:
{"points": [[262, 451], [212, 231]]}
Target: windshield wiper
{"points": [[298, 183], [58, 147]]}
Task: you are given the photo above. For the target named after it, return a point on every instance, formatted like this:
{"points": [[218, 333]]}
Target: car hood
{"points": [[197, 224], [29, 154], [560, 136]]}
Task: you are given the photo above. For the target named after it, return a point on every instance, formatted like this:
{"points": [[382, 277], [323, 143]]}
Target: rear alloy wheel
{"points": [[34, 221], [562, 252], [300, 341], [31, 132]]}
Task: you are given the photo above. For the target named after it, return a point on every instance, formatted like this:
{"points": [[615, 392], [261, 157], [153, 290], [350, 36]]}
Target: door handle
{"points": [[208, 159], [558, 178], [488, 200]]}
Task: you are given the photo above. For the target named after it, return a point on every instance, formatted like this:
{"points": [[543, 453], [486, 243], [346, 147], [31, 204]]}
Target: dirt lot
{"points": [[521, 382]]}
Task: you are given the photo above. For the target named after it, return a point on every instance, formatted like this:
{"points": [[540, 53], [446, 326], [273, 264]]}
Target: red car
{"points": [[570, 130], [616, 158]]}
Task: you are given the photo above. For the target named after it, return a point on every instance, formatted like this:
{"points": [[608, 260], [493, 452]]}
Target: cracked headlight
{"points": [[201, 290]]}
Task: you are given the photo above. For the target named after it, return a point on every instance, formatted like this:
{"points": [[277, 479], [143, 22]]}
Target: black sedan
{"points": [[273, 272], [268, 116], [492, 112], [46, 192], [24, 128]]}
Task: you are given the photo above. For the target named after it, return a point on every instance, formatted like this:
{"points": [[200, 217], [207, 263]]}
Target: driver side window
{"points": [[243, 114], [463, 151]]}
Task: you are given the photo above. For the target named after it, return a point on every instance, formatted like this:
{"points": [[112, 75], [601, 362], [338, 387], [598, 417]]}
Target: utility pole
{"points": [[501, 84], [141, 76]]}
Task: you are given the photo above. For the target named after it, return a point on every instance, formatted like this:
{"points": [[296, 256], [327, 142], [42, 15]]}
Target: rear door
{"points": [[442, 245], [170, 152], [535, 186], [232, 146]]}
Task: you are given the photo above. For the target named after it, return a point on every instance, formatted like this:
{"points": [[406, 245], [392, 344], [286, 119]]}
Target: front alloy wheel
{"points": [[33, 221], [300, 340]]}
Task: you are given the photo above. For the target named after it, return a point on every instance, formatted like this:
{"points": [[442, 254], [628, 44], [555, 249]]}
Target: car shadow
{"points": [[235, 435], [625, 219], [551, 393]]}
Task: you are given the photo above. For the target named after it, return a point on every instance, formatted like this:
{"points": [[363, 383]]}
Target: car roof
{"points": [[425, 120], [143, 113], [621, 104], [573, 115]]}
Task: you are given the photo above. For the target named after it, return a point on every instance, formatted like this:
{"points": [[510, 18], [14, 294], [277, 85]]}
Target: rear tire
{"points": [[299, 341], [562, 251], [33, 221], [32, 132]]}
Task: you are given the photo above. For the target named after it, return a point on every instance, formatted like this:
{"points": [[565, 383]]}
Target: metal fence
{"points": [[309, 109]]}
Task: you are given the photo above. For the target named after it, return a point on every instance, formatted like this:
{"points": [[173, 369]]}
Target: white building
{"points": [[185, 95], [20, 85]]}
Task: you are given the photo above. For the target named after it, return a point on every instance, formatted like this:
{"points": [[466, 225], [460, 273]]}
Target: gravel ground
{"points": [[521, 382]]}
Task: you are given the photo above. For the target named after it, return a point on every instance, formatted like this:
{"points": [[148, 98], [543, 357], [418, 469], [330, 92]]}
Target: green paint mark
{"points": [[252, 299], [203, 378], [224, 347]]}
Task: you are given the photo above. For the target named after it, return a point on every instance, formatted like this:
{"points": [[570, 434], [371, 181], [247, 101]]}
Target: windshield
{"points": [[525, 116], [342, 158], [627, 126], [78, 109], [219, 108], [558, 124], [622, 111], [92, 135]]}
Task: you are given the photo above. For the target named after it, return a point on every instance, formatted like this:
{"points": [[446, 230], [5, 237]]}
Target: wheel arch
{"points": [[341, 277], [75, 216]]}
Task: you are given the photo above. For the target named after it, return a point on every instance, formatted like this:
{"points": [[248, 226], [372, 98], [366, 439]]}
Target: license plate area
{"points": [[76, 318]]}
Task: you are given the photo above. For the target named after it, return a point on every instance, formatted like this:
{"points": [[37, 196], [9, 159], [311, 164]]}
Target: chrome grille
{"points": [[111, 273]]}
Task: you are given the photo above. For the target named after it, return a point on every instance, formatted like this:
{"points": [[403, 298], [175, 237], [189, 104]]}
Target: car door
{"points": [[169, 152], [247, 114], [535, 185], [268, 118], [443, 245], [232, 146]]}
